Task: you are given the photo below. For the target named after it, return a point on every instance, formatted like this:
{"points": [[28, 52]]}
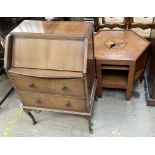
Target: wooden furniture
{"points": [[103, 24], [52, 67], [133, 24], [150, 72], [120, 59], [141, 25]]}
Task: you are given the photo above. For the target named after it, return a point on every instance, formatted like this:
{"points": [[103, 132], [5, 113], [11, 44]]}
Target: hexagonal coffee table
{"points": [[120, 59]]}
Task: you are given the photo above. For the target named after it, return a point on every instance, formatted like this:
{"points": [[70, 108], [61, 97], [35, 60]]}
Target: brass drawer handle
{"points": [[38, 101], [68, 104], [31, 85], [64, 88]]}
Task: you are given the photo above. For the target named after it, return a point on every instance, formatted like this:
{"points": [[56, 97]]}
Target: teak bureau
{"points": [[51, 65]]}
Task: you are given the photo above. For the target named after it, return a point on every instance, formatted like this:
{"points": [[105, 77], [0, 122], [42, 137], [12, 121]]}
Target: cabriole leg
{"points": [[27, 111], [89, 124]]}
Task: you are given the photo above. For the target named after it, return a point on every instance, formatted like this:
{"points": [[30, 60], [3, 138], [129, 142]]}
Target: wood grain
{"points": [[135, 45], [48, 54], [49, 85], [45, 73]]}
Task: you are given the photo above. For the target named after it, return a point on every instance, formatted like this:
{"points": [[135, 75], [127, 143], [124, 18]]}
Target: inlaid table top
{"points": [[119, 45]]}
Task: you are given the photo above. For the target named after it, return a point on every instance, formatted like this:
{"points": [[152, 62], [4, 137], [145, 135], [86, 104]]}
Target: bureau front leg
{"points": [[28, 112], [90, 124]]}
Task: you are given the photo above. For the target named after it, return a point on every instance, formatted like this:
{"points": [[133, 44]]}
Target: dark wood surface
{"points": [[120, 66], [51, 65], [150, 72]]}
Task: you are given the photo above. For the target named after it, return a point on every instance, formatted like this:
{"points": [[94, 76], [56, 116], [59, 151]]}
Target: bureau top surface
{"points": [[119, 45], [53, 27]]}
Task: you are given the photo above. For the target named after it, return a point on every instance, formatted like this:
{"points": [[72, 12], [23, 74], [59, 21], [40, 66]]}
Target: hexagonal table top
{"points": [[119, 45]]}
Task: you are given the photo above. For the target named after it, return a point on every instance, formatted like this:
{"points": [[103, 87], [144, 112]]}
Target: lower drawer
{"points": [[53, 101]]}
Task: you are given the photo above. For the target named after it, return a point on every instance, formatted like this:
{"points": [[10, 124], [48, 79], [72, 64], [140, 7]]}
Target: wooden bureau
{"points": [[51, 65]]}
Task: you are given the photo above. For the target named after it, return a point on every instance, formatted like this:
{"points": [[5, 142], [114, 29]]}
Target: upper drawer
{"points": [[70, 87]]}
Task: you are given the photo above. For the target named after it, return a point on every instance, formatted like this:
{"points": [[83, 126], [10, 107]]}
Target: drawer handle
{"points": [[68, 104], [31, 85], [38, 101], [64, 88]]}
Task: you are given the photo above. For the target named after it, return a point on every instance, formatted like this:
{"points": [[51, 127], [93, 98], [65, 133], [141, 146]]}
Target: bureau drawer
{"points": [[53, 101], [71, 87], [70, 103]]}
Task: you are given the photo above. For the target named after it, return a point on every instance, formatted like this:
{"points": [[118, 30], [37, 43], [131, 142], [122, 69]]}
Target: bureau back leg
{"points": [[27, 111], [142, 78], [96, 98]]}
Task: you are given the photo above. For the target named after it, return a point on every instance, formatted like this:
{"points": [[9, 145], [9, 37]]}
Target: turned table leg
{"points": [[27, 111]]}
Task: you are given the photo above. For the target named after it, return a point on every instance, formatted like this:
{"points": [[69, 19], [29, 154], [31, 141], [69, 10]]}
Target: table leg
{"points": [[99, 78], [129, 89]]}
